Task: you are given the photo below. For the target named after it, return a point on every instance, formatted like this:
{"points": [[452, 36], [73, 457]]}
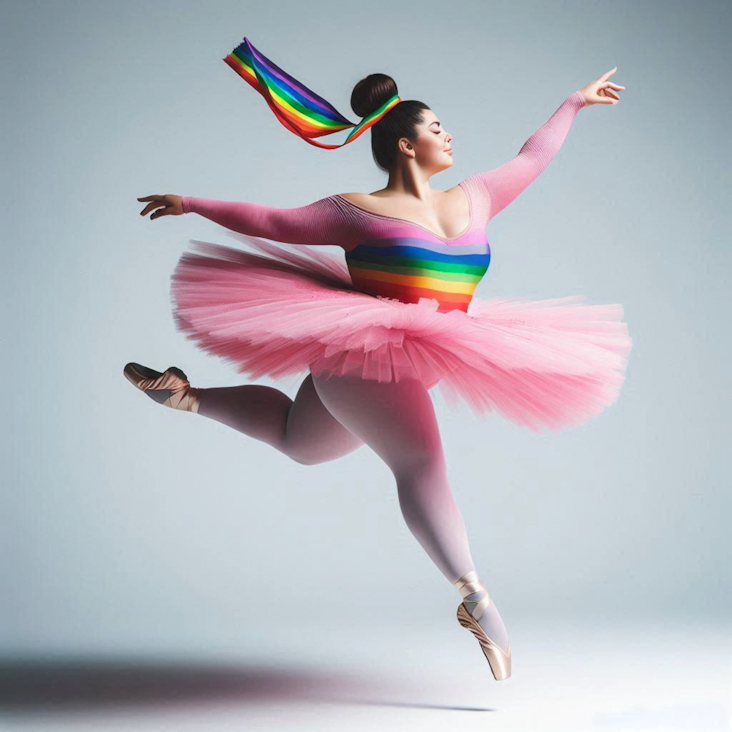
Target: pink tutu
{"points": [[542, 364]]}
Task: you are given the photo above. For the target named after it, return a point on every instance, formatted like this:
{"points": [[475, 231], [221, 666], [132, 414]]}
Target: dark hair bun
{"points": [[370, 93]]}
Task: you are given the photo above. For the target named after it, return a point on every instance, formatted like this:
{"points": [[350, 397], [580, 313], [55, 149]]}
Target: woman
{"points": [[396, 320]]}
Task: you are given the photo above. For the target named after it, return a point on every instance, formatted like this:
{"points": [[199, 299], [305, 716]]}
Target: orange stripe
{"points": [[409, 294]]}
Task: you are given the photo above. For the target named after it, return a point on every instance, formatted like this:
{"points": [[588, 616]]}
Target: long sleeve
{"points": [[320, 223], [496, 188]]}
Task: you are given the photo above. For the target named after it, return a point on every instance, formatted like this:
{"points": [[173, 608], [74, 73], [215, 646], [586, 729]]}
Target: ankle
{"points": [[186, 399], [475, 596], [192, 400]]}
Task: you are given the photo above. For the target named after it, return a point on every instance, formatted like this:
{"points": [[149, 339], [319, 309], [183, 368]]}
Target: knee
{"points": [[423, 469]]}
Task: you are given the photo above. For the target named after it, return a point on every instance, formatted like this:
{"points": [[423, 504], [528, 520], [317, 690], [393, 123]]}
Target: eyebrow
{"points": [[436, 122]]}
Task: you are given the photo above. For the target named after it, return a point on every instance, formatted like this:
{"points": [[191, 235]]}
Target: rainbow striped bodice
{"points": [[408, 268]]}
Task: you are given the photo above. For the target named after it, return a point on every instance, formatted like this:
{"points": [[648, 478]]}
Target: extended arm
{"points": [[499, 186], [318, 223]]}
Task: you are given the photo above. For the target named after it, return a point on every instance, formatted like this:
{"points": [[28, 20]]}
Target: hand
{"points": [[168, 204], [601, 91]]}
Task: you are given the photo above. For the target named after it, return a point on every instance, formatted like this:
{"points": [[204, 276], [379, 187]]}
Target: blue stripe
{"points": [[369, 253]]}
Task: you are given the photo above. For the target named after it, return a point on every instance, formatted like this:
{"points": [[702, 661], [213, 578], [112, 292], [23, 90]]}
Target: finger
{"points": [[151, 207], [162, 212], [614, 86], [607, 74], [602, 99], [149, 198]]}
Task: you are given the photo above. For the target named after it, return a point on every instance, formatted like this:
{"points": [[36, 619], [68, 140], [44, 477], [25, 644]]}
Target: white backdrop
{"points": [[126, 525]]}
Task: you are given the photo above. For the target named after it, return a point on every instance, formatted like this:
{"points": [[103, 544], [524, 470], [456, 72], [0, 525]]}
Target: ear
{"points": [[406, 147]]}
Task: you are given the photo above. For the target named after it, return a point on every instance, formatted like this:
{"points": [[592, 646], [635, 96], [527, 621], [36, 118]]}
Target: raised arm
{"points": [[499, 186], [318, 223]]}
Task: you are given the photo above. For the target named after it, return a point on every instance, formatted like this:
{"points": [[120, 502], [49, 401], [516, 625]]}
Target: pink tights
{"points": [[331, 417]]}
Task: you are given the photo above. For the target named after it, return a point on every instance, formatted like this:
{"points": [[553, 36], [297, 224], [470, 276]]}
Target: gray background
{"points": [[129, 526]]}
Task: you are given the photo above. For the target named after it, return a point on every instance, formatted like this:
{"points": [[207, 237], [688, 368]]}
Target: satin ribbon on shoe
{"points": [[468, 584]]}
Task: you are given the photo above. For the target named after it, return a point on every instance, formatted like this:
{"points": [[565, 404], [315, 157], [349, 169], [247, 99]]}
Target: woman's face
{"points": [[433, 144]]}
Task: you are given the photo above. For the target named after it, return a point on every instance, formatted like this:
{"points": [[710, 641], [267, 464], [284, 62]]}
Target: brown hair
{"points": [[400, 121]]}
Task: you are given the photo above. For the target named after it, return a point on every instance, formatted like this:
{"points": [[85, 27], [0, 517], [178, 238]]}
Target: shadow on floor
{"points": [[80, 684]]}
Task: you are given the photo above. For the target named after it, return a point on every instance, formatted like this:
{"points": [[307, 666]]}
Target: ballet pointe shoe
{"points": [[170, 388], [498, 659]]}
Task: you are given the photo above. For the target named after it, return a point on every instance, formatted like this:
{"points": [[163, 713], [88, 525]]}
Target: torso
{"points": [[398, 253], [447, 217]]}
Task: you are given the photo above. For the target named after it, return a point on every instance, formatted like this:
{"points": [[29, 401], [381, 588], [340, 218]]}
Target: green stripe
{"points": [[420, 272], [476, 269]]}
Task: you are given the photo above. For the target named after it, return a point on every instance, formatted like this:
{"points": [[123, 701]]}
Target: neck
{"points": [[409, 181]]}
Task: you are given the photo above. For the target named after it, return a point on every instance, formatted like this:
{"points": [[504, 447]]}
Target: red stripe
{"points": [[453, 300]]}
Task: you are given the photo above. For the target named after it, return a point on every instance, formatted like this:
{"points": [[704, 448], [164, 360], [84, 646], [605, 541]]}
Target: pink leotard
{"points": [[393, 257]]}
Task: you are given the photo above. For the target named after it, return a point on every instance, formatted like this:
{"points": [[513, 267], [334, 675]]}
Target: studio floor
{"points": [[564, 678]]}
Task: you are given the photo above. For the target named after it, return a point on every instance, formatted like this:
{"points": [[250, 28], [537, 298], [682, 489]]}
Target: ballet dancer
{"points": [[375, 333]]}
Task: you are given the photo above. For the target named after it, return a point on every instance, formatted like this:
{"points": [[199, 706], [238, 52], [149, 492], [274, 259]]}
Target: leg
{"points": [[397, 420], [302, 429]]}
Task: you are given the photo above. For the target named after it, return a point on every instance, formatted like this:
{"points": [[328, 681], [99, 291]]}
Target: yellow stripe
{"points": [[429, 283]]}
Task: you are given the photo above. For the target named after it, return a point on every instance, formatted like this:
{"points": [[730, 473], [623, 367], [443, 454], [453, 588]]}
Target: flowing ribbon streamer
{"points": [[298, 108]]}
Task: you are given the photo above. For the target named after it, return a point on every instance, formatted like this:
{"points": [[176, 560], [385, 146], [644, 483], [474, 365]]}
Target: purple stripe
{"points": [[286, 78]]}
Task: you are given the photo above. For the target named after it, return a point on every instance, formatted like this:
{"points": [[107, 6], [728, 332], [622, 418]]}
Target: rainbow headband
{"points": [[295, 106]]}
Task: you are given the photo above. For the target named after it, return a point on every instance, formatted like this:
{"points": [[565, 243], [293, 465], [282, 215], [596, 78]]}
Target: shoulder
{"points": [[357, 198], [377, 201]]}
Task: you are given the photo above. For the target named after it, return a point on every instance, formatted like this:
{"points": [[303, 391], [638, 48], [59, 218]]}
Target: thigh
{"points": [[397, 420], [312, 432]]}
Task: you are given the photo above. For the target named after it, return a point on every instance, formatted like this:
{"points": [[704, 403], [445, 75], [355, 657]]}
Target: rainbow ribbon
{"points": [[295, 106]]}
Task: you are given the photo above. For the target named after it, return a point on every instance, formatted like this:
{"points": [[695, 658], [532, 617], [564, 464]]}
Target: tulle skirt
{"points": [[284, 310]]}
